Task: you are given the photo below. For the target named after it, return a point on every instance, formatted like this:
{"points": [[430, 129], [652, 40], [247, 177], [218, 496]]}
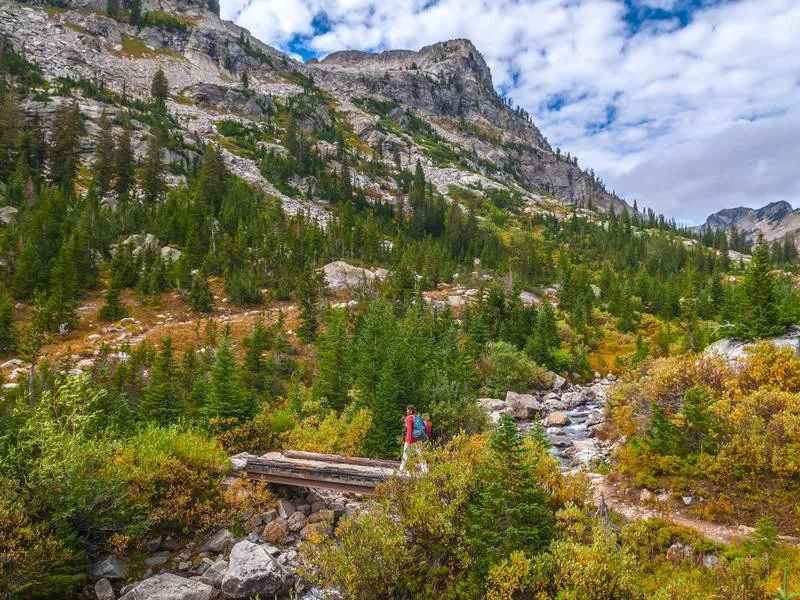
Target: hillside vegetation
{"points": [[213, 226]]}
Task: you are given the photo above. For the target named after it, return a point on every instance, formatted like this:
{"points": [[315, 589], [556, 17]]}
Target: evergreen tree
{"points": [[8, 339], [103, 167], [257, 371], [335, 359], [161, 400], [200, 298], [136, 12], [63, 288], [545, 337], [662, 435], [153, 184], [112, 8], [227, 398], [159, 88], [308, 291], [509, 510], [759, 311], [245, 81], [67, 131], [112, 310], [124, 163]]}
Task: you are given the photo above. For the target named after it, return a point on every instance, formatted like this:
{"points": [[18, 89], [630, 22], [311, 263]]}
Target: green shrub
{"points": [[505, 368]]}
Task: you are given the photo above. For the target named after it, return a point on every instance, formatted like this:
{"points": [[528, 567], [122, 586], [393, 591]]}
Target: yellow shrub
{"points": [[335, 434]]}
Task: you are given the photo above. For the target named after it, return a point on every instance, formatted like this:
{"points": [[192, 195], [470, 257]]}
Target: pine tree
{"points": [[759, 310], [124, 163], [153, 184], [103, 168], [159, 88], [662, 435], [136, 12], [545, 337], [335, 359], [112, 310], [66, 137], [257, 371], [63, 288], [161, 400], [200, 298], [509, 510], [308, 291], [245, 81], [8, 339], [227, 398], [211, 179], [112, 8]]}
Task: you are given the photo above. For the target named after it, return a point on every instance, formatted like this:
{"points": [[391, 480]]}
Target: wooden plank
{"points": [[334, 458], [310, 483], [318, 470]]}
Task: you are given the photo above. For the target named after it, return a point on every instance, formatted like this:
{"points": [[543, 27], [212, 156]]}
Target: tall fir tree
{"points": [[227, 398], [153, 184], [509, 511], [124, 163], [758, 317], [65, 141], [159, 88], [308, 291], [8, 337], [161, 401], [103, 167], [335, 359]]}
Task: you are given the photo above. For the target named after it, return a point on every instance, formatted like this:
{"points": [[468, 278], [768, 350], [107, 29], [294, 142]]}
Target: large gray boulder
{"points": [[7, 215], [218, 542], [109, 567], [252, 571], [524, 406], [733, 350], [167, 586], [341, 276]]}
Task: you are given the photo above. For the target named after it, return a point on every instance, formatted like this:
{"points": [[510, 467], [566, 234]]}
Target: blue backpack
{"points": [[420, 431]]}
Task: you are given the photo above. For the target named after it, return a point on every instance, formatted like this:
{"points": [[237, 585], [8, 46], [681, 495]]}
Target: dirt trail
{"points": [[716, 532]]}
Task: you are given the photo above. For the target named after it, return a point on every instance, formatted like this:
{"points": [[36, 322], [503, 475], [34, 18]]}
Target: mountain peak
{"points": [[452, 58], [775, 211]]}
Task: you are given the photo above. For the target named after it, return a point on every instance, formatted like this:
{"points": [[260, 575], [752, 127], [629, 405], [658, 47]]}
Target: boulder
{"points": [[296, 522], [170, 254], [103, 590], [528, 299], [573, 399], [109, 567], [491, 404], [556, 419], [322, 516], [304, 508], [214, 575], [252, 571], [269, 516], [558, 381], [167, 586], [218, 542], [646, 496], [285, 508], [595, 417], [551, 405], [157, 560], [14, 362], [7, 215], [524, 406], [341, 276], [276, 531], [320, 528]]}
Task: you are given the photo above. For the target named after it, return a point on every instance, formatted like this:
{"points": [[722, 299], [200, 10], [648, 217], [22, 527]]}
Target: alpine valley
{"points": [[211, 253]]}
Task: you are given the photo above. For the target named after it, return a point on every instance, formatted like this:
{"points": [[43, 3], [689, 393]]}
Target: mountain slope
{"points": [[468, 136]]}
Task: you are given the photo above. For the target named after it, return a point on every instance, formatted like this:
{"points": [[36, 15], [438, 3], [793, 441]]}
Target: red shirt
{"points": [[410, 429]]}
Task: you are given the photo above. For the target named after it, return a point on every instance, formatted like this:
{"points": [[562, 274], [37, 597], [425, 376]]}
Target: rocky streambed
{"points": [[571, 415]]}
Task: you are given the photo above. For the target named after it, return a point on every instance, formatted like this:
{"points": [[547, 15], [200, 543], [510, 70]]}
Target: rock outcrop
{"points": [[775, 221]]}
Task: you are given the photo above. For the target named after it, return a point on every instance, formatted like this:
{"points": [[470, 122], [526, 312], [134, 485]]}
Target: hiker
{"points": [[417, 430]]}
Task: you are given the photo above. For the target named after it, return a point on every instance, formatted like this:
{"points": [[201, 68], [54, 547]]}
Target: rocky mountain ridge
{"points": [[472, 138], [775, 220]]}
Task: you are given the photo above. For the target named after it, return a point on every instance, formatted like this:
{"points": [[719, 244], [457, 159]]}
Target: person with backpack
{"points": [[417, 430]]}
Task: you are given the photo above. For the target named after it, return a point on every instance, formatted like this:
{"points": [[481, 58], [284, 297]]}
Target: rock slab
{"points": [[252, 571]]}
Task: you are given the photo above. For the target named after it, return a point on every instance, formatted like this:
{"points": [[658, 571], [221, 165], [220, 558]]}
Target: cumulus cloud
{"points": [[687, 105]]}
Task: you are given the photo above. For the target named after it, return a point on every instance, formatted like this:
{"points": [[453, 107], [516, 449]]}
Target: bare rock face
{"points": [[167, 586], [252, 571], [775, 220], [341, 276]]}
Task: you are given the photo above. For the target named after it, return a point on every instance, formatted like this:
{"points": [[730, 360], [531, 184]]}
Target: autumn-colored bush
{"points": [[333, 434], [730, 434]]}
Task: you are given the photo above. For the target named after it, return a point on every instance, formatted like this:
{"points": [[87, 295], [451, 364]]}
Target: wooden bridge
{"points": [[309, 469]]}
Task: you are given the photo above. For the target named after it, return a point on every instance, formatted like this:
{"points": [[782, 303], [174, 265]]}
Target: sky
{"points": [[688, 106]]}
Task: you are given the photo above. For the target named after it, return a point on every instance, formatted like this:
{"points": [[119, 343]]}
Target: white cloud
{"points": [[678, 92]]}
